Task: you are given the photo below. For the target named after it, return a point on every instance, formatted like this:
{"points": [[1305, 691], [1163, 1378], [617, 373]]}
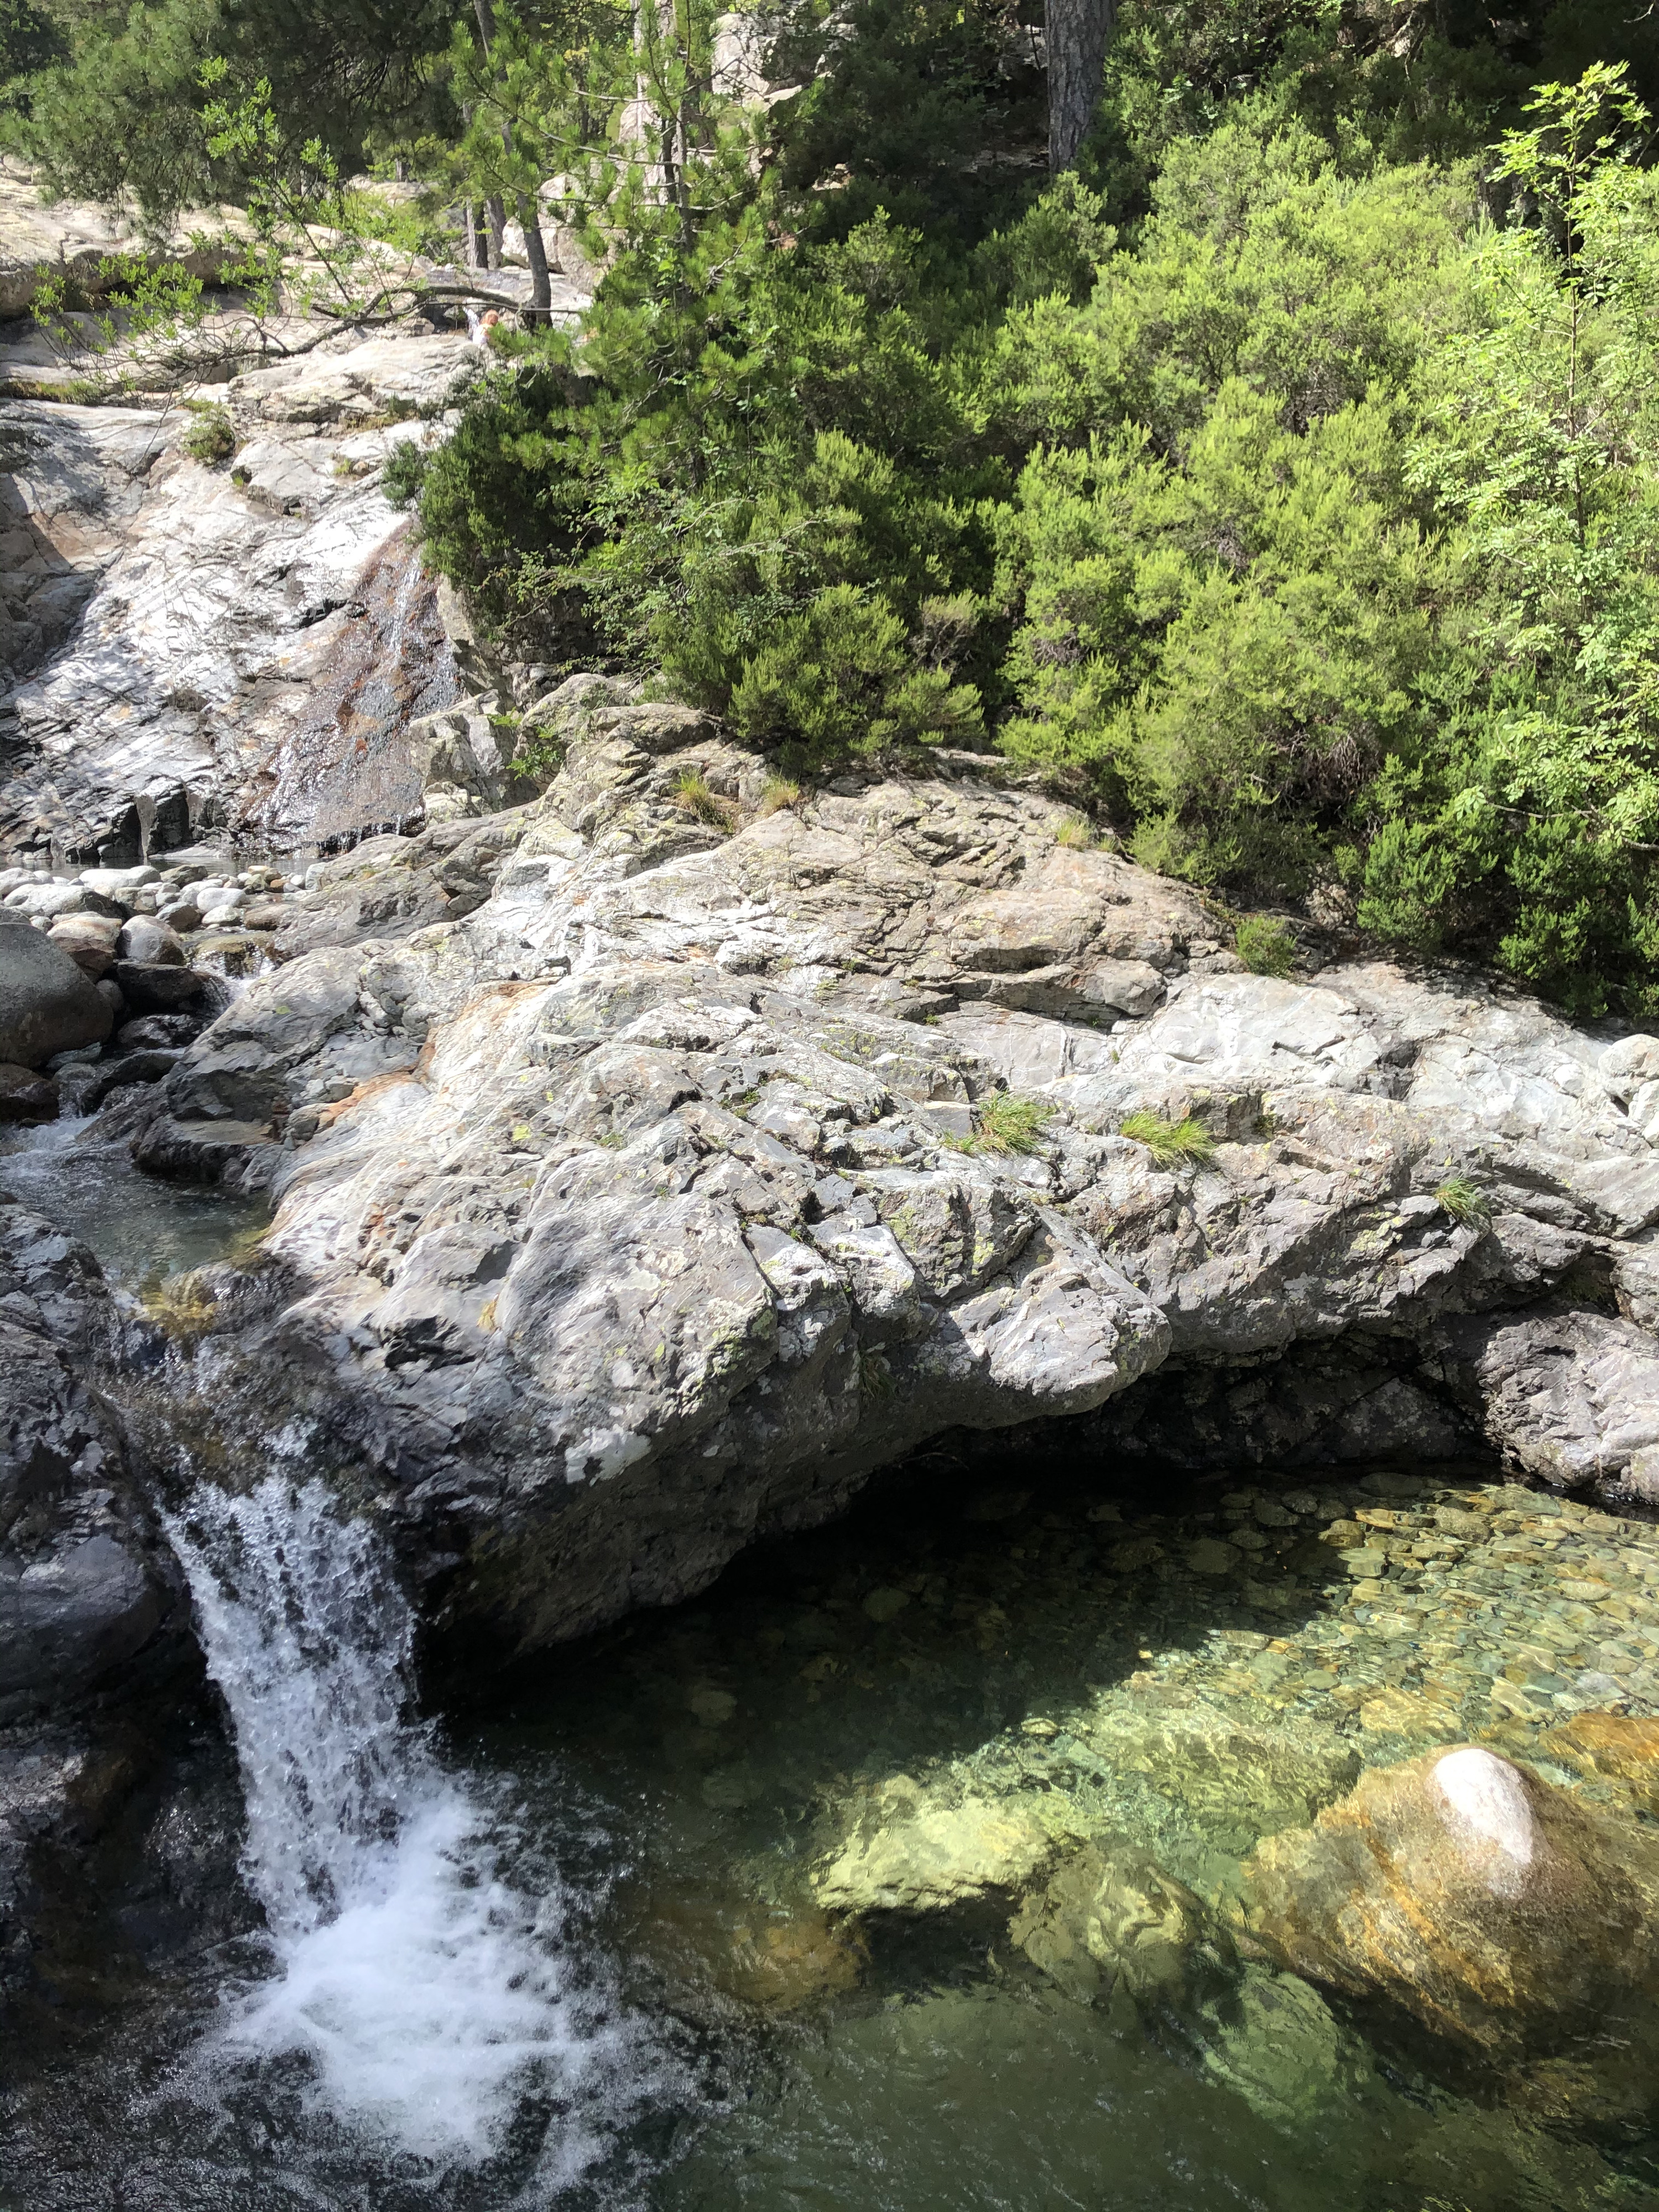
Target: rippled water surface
{"points": [[1010, 1630], [141, 1229]]}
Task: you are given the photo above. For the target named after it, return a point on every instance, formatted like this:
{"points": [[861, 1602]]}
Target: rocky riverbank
{"points": [[655, 1160]]}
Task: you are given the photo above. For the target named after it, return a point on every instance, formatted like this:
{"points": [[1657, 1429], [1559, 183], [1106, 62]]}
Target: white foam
{"points": [[428, 1994]]}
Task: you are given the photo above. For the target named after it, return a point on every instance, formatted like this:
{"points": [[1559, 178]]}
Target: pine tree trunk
{"points": [[496, 220], [1076, 33], [534, 247]]}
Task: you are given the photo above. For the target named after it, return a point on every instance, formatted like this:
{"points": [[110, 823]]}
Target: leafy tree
{"points": [[1532, 822]]}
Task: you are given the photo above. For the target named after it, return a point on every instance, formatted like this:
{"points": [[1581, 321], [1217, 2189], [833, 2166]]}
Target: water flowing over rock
{"points": [[424, 1992]]}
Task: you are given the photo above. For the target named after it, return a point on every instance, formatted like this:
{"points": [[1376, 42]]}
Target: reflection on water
{"points": [[140, 1229], [1170, 1672]]}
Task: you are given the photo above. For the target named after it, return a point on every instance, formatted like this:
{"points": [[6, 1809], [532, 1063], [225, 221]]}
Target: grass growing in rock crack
{"points": [[1171, 1144], [1266, 946], [1007, 1123], [1463, 1202], [1076, 831], [779, 793], [693, 796]]}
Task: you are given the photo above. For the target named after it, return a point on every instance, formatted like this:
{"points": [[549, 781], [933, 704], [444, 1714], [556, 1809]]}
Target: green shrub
{"points": [[210, 436], [1266, 946], [1171, 1144], [403, 477]]}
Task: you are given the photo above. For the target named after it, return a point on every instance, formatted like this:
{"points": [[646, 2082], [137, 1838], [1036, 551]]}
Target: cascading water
{"points": [[428, 1997]]}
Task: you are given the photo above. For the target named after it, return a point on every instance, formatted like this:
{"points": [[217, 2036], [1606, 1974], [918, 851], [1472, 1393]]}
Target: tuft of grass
{"points": [[1464, 1202], [693, 796], [211, 437], [1171, 1144], [1077, 831], [1007, 1123], [1266, 946], [779, 792]]}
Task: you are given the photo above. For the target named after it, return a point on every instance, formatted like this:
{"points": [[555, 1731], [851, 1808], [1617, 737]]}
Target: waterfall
{"points": [[427, 1996]]}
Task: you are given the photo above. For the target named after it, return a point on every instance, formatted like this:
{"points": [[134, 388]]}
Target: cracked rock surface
{"points": [[640, 1188]]}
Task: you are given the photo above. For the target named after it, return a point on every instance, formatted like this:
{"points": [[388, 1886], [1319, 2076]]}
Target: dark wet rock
{"points": [[132, 1067], [47, 1004], [156, 1032], [25, 1095], [155, 986], [80, 1589]]}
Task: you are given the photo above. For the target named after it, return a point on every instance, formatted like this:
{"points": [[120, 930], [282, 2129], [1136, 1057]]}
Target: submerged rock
{"points": [[911, 1850], [1112, 1917], [1472, 1899]]}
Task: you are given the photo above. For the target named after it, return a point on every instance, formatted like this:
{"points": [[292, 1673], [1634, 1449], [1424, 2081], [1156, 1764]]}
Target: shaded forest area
{"points": [[1274, 465]]}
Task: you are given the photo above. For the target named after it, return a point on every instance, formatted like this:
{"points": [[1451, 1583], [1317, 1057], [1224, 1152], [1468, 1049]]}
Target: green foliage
{"points": [[112, 108], [404, 474], [1266, 946], [210, 436], [1463, 1202], [1007, 1123], [1281, 489], [1171, 1144]]}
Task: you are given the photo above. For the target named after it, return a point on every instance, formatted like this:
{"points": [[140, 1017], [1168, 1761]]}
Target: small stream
{"points": [[561, 1947]]}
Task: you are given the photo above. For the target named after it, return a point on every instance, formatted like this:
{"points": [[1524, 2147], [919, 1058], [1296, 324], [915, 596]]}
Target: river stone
{"points": [[1115, 1916], [47, 1004], [1620, 1747], [1238, 1779], [148, 939], [909, 1852], [25, 1095], [1471, 1897], [157, 987]]}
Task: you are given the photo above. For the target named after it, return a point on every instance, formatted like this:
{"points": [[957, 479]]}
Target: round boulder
{"points": [[146, 938], [47, 1004], [1466, 1894]]}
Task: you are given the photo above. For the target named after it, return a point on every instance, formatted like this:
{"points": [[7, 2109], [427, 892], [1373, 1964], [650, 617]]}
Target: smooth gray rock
{"points": [[1570, 1396], [147, 939], [47, 1004], [81, 1590]]}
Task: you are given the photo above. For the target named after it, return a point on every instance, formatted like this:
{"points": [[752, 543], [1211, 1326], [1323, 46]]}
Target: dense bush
{"points": [[1281, 487], [1313, 535]]}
